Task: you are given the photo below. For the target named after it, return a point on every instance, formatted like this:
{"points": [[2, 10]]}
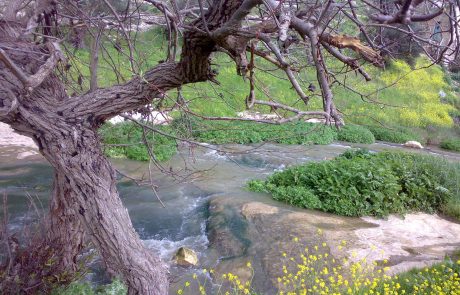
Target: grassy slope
{"points": [[413, 102], [409, 110]]}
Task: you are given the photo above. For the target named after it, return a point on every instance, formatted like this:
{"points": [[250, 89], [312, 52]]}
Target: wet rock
{"points": [[413, 144], [236, 267], [226, 229], [417, 240], [186, 257], [277, 233], [255, 208]]}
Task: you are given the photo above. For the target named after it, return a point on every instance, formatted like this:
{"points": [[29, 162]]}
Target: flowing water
{"points": [[201, 175]]}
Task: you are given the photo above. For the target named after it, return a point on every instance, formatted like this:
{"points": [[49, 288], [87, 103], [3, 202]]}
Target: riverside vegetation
{"points": [[360, 183], [128, 140], [421, 106]]}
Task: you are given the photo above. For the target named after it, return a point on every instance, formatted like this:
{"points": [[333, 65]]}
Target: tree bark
{"points": [[94, 62], [64, 224], [86, 179]]}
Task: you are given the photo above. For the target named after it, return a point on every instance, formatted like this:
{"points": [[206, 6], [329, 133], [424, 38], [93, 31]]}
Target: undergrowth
{"points": [[223, 132], [395, 135], [315, 271], [360, 183], [79, 288], [356, 134], [311, 270], [452, 144], [127, 139]]}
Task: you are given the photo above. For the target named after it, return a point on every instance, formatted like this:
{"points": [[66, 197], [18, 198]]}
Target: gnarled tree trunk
{"points": [[87, 181], [64, 224]]}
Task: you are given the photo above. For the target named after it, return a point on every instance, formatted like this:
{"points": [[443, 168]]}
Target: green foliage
{"points": [[396, 135], [409, 97], [78, 288], [126, 140], [452, 144], [356, 134], [221, 132], [360, 183], [423, 86]]}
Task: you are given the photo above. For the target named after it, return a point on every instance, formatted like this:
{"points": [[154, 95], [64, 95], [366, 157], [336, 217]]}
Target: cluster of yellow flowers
{"points": [[229, 284], [316, 271]]}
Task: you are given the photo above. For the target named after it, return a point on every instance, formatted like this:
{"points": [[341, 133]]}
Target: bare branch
{"points": [[33, 81]]}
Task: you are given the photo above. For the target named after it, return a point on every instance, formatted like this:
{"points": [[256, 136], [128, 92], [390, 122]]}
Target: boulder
{"points": [[413, 144], [186, 257], [258, 116], [316, 120], [226, 228], [256, 208]]}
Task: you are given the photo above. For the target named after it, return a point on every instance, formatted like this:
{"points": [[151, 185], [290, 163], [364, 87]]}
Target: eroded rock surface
{"points": [[272, 234]]}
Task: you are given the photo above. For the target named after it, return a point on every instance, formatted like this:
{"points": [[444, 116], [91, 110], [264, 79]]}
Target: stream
{"points": [[207, 209]]}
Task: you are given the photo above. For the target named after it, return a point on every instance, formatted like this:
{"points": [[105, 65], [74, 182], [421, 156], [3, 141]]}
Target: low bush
{"points": [[221, 132], [393, 135], [451, 144], [360, 183], [126, 140], [355, 134], [80, 288]]}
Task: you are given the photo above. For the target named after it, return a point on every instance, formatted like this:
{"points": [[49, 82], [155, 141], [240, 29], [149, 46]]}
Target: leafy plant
{"points": [[84, 288], [356, 134], [360, 183], [127, 140], [393, 135], [252, 132], [452, 144]]}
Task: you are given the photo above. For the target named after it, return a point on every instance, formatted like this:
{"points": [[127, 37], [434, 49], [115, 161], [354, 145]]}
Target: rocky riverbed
{"points": [[210, 212], [242, 230]]}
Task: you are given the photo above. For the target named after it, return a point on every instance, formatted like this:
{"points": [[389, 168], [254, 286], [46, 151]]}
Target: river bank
{"points": [[210, 212]]}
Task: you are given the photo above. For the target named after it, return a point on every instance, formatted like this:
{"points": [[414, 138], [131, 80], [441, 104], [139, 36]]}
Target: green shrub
{"points": [[451, 144], [360, 183], [126, 140], [221, 132], [356, 134], [393, 135], [79, 288]]}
